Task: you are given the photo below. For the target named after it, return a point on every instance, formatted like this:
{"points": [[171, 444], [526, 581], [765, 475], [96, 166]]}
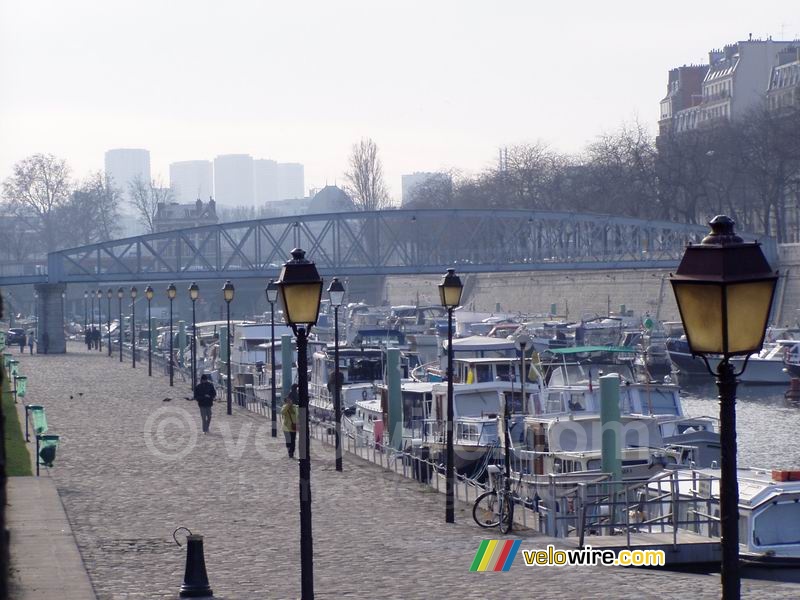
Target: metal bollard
{"points": [[195, 579]]}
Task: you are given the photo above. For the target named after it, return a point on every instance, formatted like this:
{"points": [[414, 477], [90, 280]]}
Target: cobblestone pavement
{"points": [[375, 534]]}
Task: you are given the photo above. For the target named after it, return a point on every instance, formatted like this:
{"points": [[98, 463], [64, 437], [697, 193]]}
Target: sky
{"points": [[438, 84]]}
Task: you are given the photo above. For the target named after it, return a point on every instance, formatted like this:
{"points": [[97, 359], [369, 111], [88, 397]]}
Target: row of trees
{"points": [[749, 169], [46, 209]]}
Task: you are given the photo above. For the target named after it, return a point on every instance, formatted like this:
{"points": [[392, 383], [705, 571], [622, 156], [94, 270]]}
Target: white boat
{"points": [[475, 432], [361, 369], [574, 387], [769, 515], [763, 368]]}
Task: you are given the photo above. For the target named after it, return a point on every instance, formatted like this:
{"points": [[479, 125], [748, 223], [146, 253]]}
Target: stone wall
{"points": [[573, 293]]}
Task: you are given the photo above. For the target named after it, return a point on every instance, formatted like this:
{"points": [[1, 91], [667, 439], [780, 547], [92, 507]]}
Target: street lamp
{"points": [[194, 294], [99, 295], [148, 293], [272, 298], [171, 293], [109, 293], [134, 293], [227, 294], [724, 289], [120, 294], [91, 322], [336, 295], [301, 291], [450, 295], [85, 320]]}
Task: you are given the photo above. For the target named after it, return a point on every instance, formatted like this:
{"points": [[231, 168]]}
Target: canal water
{"points": [[767, 425]]}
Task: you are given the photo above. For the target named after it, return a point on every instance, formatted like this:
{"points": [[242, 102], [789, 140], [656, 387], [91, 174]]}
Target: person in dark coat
{"points": [[22, 341], [205, 393]]}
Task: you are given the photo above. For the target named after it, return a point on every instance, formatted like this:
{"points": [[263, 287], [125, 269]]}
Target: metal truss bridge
{"points": [[390, 242]]}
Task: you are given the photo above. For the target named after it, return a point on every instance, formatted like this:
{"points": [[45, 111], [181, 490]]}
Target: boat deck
{"points": [[685, 548]]}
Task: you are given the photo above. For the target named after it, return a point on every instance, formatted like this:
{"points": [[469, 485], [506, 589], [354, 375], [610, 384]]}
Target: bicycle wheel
{"points": [[485, 510], [506, 514]]}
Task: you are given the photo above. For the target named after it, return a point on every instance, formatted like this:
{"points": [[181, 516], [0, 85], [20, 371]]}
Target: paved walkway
{"points": [[132, 467], [45, 561]]}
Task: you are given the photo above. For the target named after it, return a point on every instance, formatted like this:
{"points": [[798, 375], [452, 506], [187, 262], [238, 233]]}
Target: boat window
{"points": [[553, 403], [477, 404], [488, 434], [659, 402], [468, 431], [505, 372], [577, 402], [778, 525], [594, 464], [484, 373], [362, 369]]}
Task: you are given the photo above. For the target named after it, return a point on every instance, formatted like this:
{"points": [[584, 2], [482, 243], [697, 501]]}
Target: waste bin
{"points": [[46, 446], [422, 455]]}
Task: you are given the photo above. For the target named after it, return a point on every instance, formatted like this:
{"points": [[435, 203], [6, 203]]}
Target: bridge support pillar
{"points": [[50, 311]]}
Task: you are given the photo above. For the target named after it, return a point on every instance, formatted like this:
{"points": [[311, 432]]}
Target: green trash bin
{"points": [[42, 420], [47, 445], [38, 419]]}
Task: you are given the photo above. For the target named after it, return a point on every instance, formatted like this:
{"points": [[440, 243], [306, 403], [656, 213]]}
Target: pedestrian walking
{"points": [[22, 341], [205, 393], [87, 339], [30, 342], [289, 416]]}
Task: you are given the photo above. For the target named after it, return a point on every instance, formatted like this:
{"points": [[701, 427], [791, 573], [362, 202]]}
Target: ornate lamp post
{"points": [[336, 295], [171, 293], [120, 294], [301, 291], [194, 294], [450, 295], [91, 321], [99, 295], [724, 289], [272, 298], [85, 321], [109, 293], [148, 293], [134, 293], [227, 294]]}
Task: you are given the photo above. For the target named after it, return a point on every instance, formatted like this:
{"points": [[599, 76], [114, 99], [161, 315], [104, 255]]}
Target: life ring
{"points": [[364, 394]]}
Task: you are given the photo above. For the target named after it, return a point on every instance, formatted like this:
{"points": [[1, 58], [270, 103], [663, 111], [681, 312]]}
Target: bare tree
{"points": [[92, 212], [364, 180], [39, 187], [145, 196]]}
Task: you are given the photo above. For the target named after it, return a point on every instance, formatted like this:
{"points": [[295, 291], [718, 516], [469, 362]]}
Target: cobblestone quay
{"points": [[131, 468]]}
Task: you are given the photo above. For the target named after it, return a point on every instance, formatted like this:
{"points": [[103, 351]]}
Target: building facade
{"points": [[233, 180], [784, 81], [124, 165], [734, 82], [413, 181], [191, 179], [173, 215], [291, 181], [265, 177]]}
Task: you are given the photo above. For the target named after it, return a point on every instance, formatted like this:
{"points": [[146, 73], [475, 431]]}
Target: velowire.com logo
{"points": [[495, 555]]}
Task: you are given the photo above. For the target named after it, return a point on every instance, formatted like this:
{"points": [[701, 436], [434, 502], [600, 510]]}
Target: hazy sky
{"points": [[437, 84]]}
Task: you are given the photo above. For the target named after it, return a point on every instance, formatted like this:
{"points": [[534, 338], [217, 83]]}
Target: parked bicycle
{"points": [[495, 507]]}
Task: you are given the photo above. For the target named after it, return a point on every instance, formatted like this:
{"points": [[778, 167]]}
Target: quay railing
{"points": [[557, 505]]}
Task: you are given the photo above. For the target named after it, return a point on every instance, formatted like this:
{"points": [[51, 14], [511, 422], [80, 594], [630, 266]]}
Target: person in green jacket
{"points": [[289, 416]]}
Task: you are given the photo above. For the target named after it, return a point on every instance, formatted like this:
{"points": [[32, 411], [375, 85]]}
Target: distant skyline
{"points": [[437, 85]]}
